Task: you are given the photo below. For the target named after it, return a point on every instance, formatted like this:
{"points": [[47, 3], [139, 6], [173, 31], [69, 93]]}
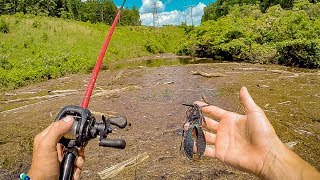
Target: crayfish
{"points": [[192, 131]]}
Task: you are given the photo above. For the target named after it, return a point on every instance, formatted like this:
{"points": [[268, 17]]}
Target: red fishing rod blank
{"points": [[95, 72]]}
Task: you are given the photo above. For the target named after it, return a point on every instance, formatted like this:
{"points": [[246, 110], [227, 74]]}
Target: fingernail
{"points": [[67, 119]]}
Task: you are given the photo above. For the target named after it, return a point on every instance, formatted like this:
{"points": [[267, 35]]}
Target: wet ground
{"points": [[151, 98]]}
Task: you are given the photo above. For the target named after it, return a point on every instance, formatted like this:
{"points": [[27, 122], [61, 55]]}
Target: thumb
{"points": [[247, 101], [58, 129]]}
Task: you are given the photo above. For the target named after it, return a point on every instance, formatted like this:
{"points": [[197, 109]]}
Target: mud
{"points": [[290, 98]]}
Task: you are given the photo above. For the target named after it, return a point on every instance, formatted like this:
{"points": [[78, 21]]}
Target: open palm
{"points": [[242, 141]]}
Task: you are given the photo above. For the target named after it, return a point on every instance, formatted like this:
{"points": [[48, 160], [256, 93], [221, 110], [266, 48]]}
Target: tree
{"points": [[221, 8], [107, 11], [130, 17], [90, 10]]}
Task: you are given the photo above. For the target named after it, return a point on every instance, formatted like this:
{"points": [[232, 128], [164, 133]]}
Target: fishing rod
{"points": [[85, 126], [94, 75]]}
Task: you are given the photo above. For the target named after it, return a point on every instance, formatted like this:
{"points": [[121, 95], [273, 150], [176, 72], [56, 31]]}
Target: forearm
{"points": [[282, 163]]}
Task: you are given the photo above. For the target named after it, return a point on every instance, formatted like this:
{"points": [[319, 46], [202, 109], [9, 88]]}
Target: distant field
{"points": [[40, 48]]}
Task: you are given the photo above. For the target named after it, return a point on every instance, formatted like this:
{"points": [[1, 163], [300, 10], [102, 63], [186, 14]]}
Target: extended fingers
{"points": [[247, 101], [210, 151], [210, 124], [212, 111], [210, 137], [210, 141]]}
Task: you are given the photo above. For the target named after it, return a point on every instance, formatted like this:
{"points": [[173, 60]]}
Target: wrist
{"points": [[30, 174], [282, 163], [33, 175]]}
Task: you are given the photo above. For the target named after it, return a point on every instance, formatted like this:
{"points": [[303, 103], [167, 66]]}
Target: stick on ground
{"points": [[112, 171], [208, 75]]}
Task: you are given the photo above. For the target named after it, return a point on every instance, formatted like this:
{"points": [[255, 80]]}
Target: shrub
{"points": [[4, 63], [4, 26], [154, 47], [301, 53], [187, 49], [262, 54], [235, 50], [187, 29], [36, 24]]}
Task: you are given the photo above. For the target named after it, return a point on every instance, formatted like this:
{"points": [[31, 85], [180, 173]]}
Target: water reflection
{"points": [[160, 62], [197, 61]]}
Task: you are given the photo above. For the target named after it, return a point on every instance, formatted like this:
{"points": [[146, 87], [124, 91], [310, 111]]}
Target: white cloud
{"points": [[149, 5], [174, 17]]}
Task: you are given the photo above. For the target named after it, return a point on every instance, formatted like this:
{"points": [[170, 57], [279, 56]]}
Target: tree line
{"points": [[281, 35], [221, 8], [90, 10]]}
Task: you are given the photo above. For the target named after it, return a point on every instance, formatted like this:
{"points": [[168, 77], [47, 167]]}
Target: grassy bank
{"points": [[34, 49]]}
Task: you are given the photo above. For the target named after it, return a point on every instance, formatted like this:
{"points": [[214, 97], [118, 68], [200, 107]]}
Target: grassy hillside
{"points": [[38, 48]]}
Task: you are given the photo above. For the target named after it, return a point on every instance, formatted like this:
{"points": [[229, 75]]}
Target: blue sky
{"points": [[170, 11]]}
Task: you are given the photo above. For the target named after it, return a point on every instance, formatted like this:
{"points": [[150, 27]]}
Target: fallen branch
{"points": [[112, 171], [19, 93], [63, 91], [22, 107], [36, 98], [280, 71], [10, 94], [108, 93], [208, 75], [252, 69]]}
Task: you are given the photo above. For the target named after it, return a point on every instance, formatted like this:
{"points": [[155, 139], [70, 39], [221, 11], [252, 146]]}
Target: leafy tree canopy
{"points": [[90, 10]]}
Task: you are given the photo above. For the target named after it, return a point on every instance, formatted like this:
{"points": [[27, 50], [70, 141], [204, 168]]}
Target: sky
{"points": [[170, 12]]}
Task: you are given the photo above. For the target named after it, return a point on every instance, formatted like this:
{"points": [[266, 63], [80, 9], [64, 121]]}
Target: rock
{"points": [[286, 102], [303, 132], [263, 86], [291, 144], [170, 82]]}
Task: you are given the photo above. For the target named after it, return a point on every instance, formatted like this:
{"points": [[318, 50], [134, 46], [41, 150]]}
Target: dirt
{"points": [[151, 99]]}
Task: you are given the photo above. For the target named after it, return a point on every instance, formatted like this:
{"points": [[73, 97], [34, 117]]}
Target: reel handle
{"points": [[114, 143], [120, 121], [67, 164]]}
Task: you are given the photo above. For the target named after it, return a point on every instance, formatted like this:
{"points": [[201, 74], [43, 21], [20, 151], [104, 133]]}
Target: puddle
{"points": [[159, 62]]}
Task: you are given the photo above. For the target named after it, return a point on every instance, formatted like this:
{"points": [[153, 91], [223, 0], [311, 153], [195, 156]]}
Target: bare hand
{"points": [[242, 141], [47, 154]]}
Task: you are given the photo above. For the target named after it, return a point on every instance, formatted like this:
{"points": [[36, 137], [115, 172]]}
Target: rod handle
{"points": [[67, 165]]}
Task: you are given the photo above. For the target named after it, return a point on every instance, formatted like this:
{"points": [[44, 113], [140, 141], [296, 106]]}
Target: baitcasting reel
{"points": [[85, 128]]}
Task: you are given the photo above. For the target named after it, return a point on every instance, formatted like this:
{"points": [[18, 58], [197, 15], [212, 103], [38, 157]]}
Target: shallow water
{"points": [[159, 62]]}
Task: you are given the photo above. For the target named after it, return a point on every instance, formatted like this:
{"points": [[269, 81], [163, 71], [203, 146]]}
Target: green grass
{"points": [[40, 48]]}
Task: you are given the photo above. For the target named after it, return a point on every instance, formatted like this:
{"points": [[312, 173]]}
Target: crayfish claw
{"points": [[188, 143], [193, 134], [201, 142]]}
